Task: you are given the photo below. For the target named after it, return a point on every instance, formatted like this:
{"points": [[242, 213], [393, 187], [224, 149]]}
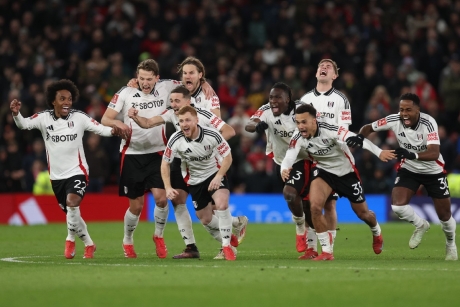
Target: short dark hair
{"points": [[149, 65], [182, 90], [56, 86], [306, 108], [186, 109], [411, 96], [192, 61]]}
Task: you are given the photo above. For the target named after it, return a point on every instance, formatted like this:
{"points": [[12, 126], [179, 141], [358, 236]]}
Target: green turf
{"points": [[266, 272]]}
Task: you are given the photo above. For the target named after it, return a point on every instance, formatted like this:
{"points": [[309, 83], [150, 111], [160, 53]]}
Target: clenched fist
{"points": [[15, 106]]}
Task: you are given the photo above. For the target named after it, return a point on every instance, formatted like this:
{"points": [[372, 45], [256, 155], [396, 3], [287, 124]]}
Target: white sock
{"points": [[332, 234], [449, 227], [235, 221], [299, 224], [161, 216], [184, 223], [213, 228], [407, 213], [225, 225], [376, 231], [312, 239], [325, 241], [74, 225], [130, 224], [83, 233]]}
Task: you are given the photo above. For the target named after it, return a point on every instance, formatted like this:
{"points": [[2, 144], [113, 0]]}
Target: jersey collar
{"points": [[328, 93], [199, 138], [197, 92], [414, 127], [53, 115]]}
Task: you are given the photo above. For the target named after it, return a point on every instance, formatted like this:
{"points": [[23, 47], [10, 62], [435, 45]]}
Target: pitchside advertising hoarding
{"points": [[27, 209]]}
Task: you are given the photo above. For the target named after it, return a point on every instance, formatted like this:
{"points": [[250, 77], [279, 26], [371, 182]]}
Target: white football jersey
{"points": [[324, 149], [63, 140], [199, 155], [202, 103], [205, 118], [279, 132], [143, 141], [414, 140], [332, 106]]}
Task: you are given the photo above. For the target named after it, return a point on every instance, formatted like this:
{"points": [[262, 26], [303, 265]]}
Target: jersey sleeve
{"points": [[260, 112], [171, 149], [293, 151], [118, 100], [29, 123], [385, 123], [223, 149], [432, 136], [212, 120], [215, 102], [94, 126], [344, 113], [170, 84], [168, 116]]}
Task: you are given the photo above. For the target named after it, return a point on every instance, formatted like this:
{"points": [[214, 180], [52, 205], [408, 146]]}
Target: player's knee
{"points": [[289, 195], [161, 202], [316, 208]]}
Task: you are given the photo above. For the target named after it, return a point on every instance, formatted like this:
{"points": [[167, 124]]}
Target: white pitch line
{"points": [[18, 260]]}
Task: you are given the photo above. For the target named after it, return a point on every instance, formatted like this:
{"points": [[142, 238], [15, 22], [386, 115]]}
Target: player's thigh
{"points": [[406, 184], [70, 191], [320, 188], [299, 178], [133, 175], [436, 185], [221, 196], [350, 186], [201, 197]]}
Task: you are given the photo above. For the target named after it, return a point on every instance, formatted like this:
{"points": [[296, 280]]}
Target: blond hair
{"points": [[334, 64]]}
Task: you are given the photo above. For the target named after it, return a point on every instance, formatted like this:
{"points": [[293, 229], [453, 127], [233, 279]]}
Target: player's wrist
{"points": [[416, 155]]}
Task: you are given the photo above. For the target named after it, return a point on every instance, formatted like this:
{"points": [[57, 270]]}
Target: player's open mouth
{"points": [[275, 109], [186, 129], [146, 88], [323, 73], [65, 109], [304, 133], [406, 121]]}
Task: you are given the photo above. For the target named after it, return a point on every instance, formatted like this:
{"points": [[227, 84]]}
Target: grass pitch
{"points": [[34, 272]]}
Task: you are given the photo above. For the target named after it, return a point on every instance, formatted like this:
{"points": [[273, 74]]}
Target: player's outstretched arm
{"points": [[145, 122], [366, 130], [227, 131], [251, 126], [108, 119]]}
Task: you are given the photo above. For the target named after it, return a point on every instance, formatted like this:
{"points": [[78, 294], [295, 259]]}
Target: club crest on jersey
{"points": [[325, 141], [419, 136], [155, 93], [198, 99], [69, 124], [330, 104], [207, 147]]}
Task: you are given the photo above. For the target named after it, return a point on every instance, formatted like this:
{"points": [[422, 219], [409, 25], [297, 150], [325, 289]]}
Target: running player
{"points": [[276, 118], [332, 107], [198, 147], [141, 153], [333, 171], [63, 129], [180, 97], [421, 164]]}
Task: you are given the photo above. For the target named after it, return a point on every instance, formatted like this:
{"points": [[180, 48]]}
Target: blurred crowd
{"points": [[383, 48]]}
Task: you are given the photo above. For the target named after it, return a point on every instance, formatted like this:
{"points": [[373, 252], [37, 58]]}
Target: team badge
{"points": [[330, 104], [69, 124], [419, 137], [207, 147]]}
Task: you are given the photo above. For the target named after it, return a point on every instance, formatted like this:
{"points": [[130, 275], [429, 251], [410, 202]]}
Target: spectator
{"points": [[42, 183], [96, 157]]}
